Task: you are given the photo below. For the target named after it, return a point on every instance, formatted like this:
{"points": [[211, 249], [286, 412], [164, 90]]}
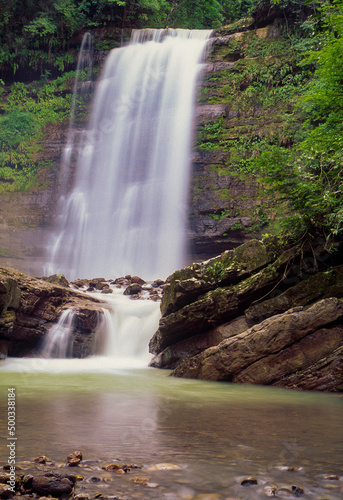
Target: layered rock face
{"points": [[250, 316], [29, 307]]}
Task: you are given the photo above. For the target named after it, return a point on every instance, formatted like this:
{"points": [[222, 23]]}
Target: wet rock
{"points": [[82, 496], [52, 484], [270, 490], [6, 491], [74, 458], [57, 279], [249, 481], [94, 479], [185, 285], [43, 460], [133, 289], [111, 467], [107, 290], [157, 283], [122, 281], [27, 482], [297, 491], [306, 291], [137, 279], [165, 466]]}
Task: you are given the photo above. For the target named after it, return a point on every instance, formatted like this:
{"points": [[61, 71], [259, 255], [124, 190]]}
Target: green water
{"points": [[217, 433]]}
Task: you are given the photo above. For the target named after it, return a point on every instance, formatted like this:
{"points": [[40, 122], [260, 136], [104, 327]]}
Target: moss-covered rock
{"points": [[184, 285]]}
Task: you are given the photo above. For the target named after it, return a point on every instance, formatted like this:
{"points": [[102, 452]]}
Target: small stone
{"points": [[165, 466], [297, 491], [208, 496], [74, 458], [332, 477], [249, 481], [27, 482], [157, 283], [133, 289], [94, 479], [6, 491], [82, 496], [43, 460], [270, 490], [111, 467], [137, 279]]}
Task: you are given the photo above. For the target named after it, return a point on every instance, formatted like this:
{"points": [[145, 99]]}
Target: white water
{"points": [[126, 212]]}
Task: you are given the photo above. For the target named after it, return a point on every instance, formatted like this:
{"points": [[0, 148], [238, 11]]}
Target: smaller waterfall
{"points": [[58, 342], [121, 337], [82, 94]]}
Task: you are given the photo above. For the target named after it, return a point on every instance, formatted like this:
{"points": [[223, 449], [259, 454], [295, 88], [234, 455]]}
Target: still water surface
{"points": [[217, 433]]}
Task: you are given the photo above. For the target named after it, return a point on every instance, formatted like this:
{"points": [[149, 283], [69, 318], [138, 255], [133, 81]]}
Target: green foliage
{"points": [[28, 110], [216, 270], [311, 176]]}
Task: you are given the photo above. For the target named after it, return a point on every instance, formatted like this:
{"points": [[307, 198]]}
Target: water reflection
{"points": [[217, 433]]}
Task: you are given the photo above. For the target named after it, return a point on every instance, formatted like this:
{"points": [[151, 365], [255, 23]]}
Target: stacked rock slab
{"points": [[248, 316]]}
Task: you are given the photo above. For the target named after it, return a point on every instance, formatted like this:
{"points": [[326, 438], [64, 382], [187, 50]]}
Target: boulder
{"points": [[30, 307], [220, 304], [277, 350], [185, 285], [52, 484]]}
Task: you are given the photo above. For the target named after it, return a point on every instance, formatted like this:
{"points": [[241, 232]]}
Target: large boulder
{"points": [[221, 303], [276, 350], [29, 307]]}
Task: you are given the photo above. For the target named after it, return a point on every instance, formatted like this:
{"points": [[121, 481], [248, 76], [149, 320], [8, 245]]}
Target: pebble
{"points": [[165, 466], [249, 481], [74, 458]]}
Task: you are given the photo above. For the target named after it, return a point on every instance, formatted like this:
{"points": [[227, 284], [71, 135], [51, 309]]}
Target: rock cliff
{"points": [[256, 314]]}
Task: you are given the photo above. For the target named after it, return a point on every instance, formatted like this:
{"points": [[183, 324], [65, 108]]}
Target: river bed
{"points": [[214, 435]]}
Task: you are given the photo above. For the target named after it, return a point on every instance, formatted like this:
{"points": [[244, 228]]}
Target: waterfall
{"points": [[126, 212], [58, 342], [82, 93]]}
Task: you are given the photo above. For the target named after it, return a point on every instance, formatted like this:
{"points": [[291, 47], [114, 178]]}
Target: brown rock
{"points": [[74, 458], [245, 357], [52, 484]]}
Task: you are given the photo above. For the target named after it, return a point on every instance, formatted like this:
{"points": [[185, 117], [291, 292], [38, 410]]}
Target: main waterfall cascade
{"points": [[126, 211]]}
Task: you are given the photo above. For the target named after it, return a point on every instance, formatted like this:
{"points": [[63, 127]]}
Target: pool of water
{"points": [[216, 434]]}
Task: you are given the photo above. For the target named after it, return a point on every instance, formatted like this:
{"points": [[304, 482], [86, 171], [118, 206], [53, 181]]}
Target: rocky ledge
{"points": [[257, 314], [29, 307]]}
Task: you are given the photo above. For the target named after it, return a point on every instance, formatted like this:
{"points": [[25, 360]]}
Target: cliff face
{"points": [[245, 106]]}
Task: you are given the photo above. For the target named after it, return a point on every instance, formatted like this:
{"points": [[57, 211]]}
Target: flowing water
{"points": [[214, 434], [126, 212]]}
